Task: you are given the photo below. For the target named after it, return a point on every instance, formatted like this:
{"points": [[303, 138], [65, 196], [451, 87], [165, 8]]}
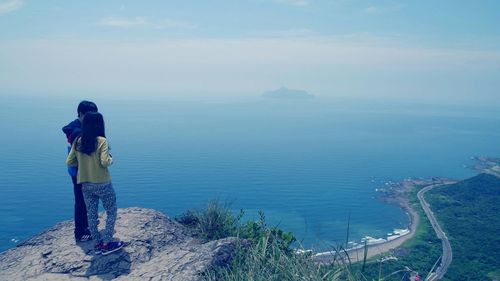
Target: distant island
{"points": [[285, 93]]}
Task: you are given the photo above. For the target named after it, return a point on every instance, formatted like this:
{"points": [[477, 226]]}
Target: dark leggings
{"points": [[81, 222]]}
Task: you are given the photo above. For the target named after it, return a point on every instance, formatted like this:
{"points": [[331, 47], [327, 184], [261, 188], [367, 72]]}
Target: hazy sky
{"points": [[426, 50]]}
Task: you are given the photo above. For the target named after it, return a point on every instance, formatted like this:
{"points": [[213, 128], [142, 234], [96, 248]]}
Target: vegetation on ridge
{"points": [[469, 213]]}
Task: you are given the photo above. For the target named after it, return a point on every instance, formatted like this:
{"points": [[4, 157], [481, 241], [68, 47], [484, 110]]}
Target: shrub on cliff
{"points": [[217, 221], [264, 252]]}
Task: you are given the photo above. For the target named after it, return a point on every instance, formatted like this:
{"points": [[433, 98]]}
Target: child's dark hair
{"points": [[92, 127], [86, 106]]}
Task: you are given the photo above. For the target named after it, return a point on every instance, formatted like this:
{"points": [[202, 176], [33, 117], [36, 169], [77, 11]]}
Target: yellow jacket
{"points": [[92, 168]]}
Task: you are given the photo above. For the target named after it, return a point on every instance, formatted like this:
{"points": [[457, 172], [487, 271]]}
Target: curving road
{"points": [[447, 253]]}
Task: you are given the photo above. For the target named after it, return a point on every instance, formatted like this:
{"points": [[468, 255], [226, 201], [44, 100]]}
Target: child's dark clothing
{"points": [[72, 130]]}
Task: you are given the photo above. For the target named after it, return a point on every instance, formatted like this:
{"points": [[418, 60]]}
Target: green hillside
{"points": [[469, 212]]}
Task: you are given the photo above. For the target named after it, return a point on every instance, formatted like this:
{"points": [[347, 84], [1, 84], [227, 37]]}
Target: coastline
{"points": [[392, 193], [357, 254]]}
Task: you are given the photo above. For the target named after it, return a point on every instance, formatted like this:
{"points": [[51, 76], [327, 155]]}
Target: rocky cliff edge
{"points": [[158, 248]]}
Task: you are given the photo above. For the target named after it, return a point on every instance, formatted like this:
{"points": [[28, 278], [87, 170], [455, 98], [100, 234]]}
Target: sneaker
{"points": [[111, 247], [84, 238], [98, 248]]}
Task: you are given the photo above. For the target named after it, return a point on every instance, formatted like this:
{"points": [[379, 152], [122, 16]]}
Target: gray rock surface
{"points": [[158, 248]]}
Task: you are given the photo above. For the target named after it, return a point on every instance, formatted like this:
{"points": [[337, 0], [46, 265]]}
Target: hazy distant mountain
{"points": [[285, 93]]}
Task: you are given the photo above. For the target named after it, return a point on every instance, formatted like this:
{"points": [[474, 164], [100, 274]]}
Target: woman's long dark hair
{"points": [[92, 127]]}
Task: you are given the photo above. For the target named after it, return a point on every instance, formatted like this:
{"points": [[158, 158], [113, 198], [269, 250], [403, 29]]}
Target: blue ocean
{"points": [[309, 165]]}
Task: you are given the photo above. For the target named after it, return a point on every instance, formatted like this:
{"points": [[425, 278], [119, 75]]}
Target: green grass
{"points": [[266, 253], [267, 260], [263, 253], [214, 222]]}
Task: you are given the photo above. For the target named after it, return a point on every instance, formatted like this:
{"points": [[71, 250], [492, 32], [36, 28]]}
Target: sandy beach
{"points": [[373, 250], [357, 254], [396, 194]]}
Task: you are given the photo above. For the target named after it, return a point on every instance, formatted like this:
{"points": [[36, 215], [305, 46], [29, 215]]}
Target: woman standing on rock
{"points": [[90, 153]]}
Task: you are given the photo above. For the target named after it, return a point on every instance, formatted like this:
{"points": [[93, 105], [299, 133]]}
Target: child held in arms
{"points": [[73, 130]]}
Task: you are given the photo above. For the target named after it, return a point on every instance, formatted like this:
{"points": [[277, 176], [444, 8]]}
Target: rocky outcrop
{"points": [[157, 248]]}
